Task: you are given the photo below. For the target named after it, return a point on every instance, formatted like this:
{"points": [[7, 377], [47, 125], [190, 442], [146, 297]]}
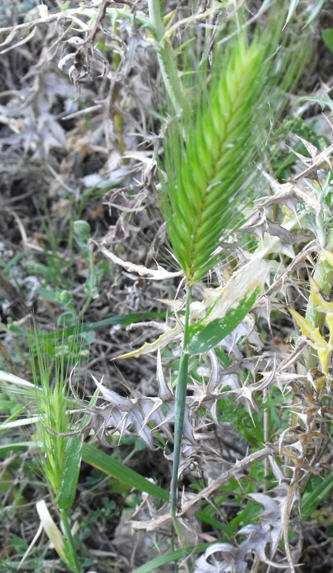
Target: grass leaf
{"points": [[108, 465], [311, 500], [18, 446], [70, 473], [121, 319], [327, 36], [315, 9], [292, 8], [171, 557]]}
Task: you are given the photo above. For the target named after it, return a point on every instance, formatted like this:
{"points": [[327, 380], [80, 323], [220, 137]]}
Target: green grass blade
{"points": [[180, 401], [71, 471], [121, 319], [203, 336], [166, 56], [314, 498], [292, 9], [18, 446], [170, 558], [108, 465]]}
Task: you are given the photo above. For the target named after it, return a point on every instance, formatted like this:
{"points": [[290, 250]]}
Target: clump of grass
{"points": [[60, 456], [50, 374]]}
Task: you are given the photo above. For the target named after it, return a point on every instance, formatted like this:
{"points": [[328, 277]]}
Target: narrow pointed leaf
{"points": [[311, 500], [321, 304], [316, 7], [309, 330], [292, 7], [108, 465], [120, 319], [157, 344], [18, 446], [71, 472], [170, 557]]}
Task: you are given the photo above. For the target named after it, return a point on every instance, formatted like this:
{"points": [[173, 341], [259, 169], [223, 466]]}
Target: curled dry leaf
{"points": [[260, 538], [159, 274]]}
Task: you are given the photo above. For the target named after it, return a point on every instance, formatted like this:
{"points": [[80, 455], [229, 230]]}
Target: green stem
{"points": [[166, 57], [72, 559], [180, 408]]}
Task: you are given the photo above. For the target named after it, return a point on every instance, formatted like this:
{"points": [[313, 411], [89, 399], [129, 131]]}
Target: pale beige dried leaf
{"points": [[159, 274], [51, 529]]}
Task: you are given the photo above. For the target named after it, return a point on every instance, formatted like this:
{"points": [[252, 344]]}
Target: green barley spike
{"points": [[207, 166]]}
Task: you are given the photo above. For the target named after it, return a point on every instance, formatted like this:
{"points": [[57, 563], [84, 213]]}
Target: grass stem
{"points": [[72, 556], [180, 408]]}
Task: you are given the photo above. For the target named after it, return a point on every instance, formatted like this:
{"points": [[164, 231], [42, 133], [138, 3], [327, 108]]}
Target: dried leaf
{"points": [[51, 529], [260, 538]]}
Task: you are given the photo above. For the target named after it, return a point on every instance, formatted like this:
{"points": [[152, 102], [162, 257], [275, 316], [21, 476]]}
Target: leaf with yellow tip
{"points": [[324, 356], [316, 340], [148, 347], [308, 329], [322, 304]]}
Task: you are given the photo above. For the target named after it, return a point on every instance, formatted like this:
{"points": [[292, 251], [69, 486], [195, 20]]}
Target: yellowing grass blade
{"points": [[315, 339], [148, 347]]}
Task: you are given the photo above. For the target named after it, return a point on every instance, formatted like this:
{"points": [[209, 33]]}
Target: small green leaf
{"points": [[52, 531], [71, 472], [328, 38], [203, 336], [82, 232], [311, 500], [169, 558], [108, 465]]}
